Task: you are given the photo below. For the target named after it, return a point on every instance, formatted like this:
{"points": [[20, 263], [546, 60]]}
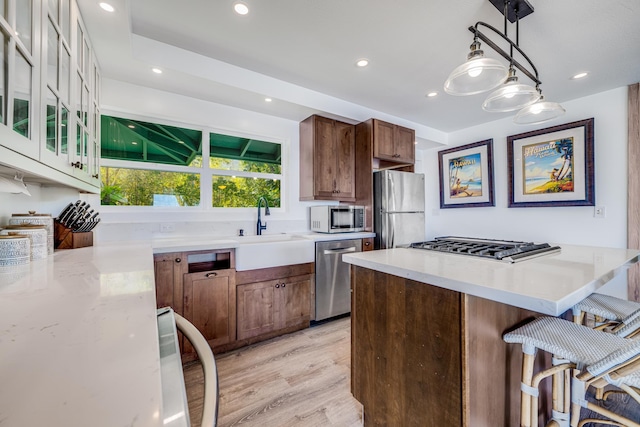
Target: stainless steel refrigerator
{"points": [[398, 208]]}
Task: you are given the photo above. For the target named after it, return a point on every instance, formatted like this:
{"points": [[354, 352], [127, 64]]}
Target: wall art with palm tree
{"points": [[552, 166], [466, 176]]}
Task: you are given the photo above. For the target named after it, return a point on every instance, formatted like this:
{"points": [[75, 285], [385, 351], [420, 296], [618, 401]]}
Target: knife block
{"points": [[64, 238]]}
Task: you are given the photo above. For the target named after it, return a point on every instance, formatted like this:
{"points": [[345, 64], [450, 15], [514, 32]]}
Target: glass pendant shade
{"points": [[477, 75], [511, 96], [540, 112]]}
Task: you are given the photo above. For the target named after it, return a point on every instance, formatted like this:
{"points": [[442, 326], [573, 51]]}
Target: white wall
{"points": [[43, 199], [570, 225], [141, 223]]}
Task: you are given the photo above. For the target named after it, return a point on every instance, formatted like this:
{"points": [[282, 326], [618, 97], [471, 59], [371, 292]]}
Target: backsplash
{"points": [[108, 232]]}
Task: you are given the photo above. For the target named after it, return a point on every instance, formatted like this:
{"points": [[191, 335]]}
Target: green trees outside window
{"points": [[172, 169]]}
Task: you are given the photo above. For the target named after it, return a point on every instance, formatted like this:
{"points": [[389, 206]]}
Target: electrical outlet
{"points": [[167, 228], [599, 212]]}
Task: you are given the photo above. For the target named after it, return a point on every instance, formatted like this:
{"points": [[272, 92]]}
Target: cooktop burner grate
{"points": [[501, 250]]}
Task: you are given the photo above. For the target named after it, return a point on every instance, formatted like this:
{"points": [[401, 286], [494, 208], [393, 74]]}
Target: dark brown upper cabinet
{"points": [[393, 143], [327, 160]]}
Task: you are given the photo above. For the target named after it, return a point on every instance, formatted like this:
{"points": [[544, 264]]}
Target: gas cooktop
{"points": [[500, 250]]}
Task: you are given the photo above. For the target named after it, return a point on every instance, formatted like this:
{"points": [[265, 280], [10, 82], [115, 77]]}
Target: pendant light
{"points": [[511, 96], [477, 75], [480, 74], [539, 112]]}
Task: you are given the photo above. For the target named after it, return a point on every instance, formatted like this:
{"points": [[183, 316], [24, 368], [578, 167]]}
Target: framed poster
{"points": [[552, 166], [466, 176]]}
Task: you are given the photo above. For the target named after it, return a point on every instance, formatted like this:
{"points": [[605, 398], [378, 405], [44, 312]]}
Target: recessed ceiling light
{"points": [[241, 8], [268, 100], [432, 94], [579, 76], [131, 126], [107, 7], [157, 70], [180, 142], [362, 62], [134, 143]]}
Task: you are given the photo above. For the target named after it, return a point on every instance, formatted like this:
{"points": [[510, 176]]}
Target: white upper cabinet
{"points": [[49, 87]]}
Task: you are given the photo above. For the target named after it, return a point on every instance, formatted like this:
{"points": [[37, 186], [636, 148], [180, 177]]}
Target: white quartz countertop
{"points": [[78, 340], [550, 284], [191, 243], [78, 333]]}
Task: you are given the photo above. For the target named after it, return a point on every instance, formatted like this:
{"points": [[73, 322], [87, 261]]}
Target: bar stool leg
{"points": [[528, 359]]}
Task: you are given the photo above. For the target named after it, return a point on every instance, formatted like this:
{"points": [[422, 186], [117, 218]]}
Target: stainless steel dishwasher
{"points": [[333, 277]]}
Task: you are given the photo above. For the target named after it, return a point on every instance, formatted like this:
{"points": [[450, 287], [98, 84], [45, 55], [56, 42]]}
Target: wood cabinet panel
{"points": [[423, 355], [393, 143], [383, 143], [268, 306], [344, 156], [210, 304], [295, 304], [406, 351], [169, 269], [405, 139], [327, 159], [256, 309]]}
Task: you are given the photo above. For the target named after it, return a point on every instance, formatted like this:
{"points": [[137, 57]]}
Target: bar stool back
{"points": [[573, 346]]}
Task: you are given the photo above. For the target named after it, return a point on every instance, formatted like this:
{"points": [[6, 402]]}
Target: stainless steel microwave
{"points": [[337, 219]]}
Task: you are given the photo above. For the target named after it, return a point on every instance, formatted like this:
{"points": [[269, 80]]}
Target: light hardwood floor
{"points": [[300, 379]]}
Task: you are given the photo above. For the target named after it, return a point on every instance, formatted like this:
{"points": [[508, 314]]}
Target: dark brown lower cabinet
{"points": [[273, 301], [210, 304], [264, 307], [427, 356]]}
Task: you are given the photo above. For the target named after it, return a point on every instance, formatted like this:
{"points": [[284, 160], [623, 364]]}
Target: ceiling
{"points": [[302, 53]]}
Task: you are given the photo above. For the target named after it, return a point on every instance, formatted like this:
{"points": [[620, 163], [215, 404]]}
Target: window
{"points": [[152, 164], [256, 166]]}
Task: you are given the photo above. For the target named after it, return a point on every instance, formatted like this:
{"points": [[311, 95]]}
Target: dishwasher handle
{"points": [[339, 251]]}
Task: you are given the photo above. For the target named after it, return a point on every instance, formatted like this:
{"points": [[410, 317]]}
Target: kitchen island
{"points": [[427, 329]]}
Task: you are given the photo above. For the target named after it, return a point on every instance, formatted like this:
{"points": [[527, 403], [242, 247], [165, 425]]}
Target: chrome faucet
{"points": [[259, 226]]}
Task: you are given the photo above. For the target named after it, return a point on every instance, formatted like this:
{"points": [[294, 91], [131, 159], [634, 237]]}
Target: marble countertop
{"points": [[550, 284], [78, 340], [191, 243], [78, 334]]}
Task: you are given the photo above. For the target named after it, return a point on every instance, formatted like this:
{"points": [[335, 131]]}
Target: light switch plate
{"points": [[599, 212]]}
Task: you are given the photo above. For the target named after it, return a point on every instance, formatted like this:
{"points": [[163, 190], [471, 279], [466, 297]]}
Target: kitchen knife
{"points": [[64, 212], [93, 224], [64, 219]]}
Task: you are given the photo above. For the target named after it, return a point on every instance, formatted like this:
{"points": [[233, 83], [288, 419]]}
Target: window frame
{"points": [[206, 172]]}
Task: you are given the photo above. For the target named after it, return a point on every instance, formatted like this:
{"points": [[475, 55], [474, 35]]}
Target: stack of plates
{"points": [[14, 250]]}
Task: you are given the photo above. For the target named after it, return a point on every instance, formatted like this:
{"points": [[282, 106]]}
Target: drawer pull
{"points": [[277, 285], [178, 259], [212, 274], [283, 285]]}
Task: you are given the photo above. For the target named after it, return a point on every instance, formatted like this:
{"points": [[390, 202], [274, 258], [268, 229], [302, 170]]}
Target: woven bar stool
{"points": [[605, 307], [603, 358]]}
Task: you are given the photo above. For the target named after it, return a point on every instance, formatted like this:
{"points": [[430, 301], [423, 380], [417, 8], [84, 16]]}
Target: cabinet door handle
{"points": [[212, 274], [178, 260], [283, 285], [277, 285]]}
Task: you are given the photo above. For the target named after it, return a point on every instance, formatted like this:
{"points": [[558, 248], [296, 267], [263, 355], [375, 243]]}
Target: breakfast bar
{"points": [[427, 329]]}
